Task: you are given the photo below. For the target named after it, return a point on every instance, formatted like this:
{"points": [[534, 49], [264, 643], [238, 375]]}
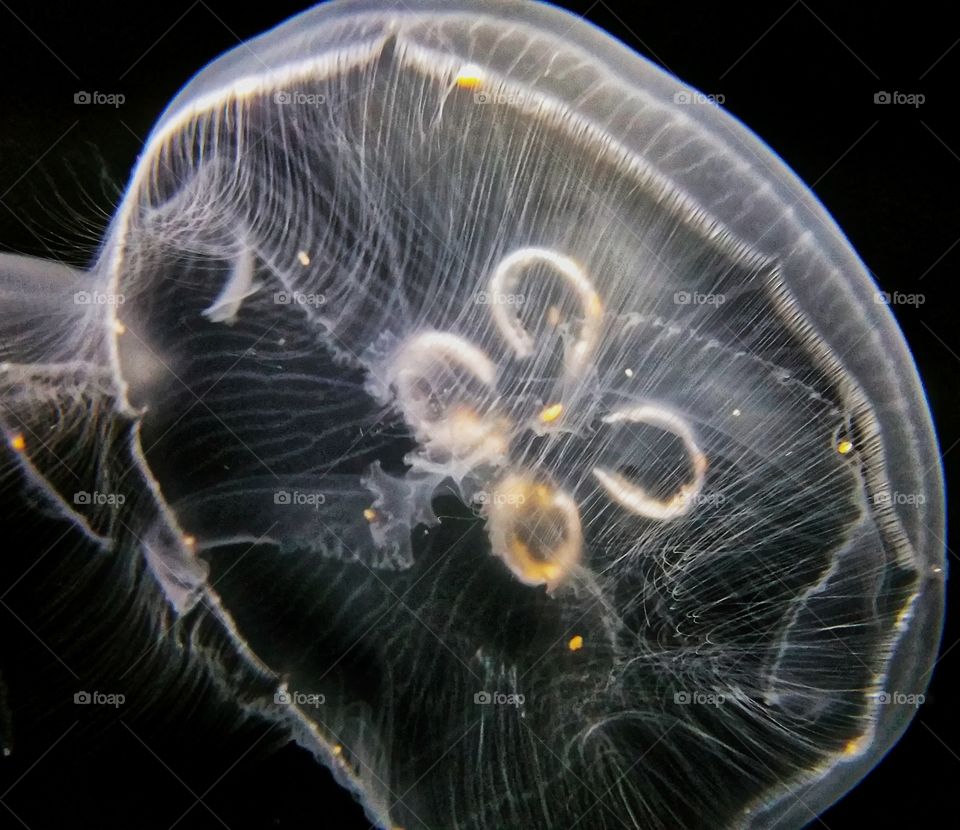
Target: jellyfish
{"points": [[521, 441]]}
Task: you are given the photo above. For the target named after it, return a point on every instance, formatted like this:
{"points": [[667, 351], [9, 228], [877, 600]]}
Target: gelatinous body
{"points": [[554, 421]]}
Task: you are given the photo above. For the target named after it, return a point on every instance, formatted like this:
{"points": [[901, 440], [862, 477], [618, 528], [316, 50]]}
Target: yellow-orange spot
{"points": [[576, 643], [304, 258], [337, 749], [119, 327], [854, 746], [370, 514], [542, 492], [594, 306], [189, 541], [551, 413], [464, 416], [469, 77], [18, 443], [844, 447]]}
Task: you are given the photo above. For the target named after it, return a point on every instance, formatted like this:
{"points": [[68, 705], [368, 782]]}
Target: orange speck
{"points": [[576, 643], [370, 514], [551, 413], [469, 77], [844, 447], [18, 442]]}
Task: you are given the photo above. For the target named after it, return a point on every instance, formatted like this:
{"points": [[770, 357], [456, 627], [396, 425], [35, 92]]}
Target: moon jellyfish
{"points": [[516, 434]]}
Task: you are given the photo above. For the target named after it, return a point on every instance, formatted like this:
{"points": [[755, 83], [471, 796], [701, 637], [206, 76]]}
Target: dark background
{"points": [[802, 75]]}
